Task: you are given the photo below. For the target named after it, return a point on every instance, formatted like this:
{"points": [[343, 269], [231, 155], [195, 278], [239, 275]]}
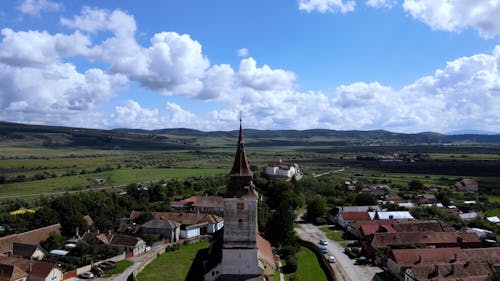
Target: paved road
{"points": [[345, 269]]}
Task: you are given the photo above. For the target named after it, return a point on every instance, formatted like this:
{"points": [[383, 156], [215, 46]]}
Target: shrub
{"points": [[291, 264]]}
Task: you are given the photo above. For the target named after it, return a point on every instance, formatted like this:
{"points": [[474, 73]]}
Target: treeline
{"points": [[104, 208]]}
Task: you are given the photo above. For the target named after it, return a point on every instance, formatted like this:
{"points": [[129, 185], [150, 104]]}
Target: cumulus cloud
{"points": [[324, 6], [38, 48], [132, 115], [34, 7], [463, 94], [455, 15], [174, 63], [381, 3]]}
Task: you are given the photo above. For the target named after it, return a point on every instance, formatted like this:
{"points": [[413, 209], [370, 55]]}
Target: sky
{"points": [[399, 65]]}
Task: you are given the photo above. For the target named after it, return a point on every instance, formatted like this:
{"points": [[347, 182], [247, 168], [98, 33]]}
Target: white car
{"points": [[323, 242], [331, 259], [87, 275]]}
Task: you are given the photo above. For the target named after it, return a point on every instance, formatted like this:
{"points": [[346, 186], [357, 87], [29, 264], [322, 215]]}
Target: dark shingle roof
{"points": [[163, 224], [23, 250]]}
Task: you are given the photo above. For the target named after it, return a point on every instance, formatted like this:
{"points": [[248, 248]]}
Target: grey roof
{"points": [[359, 208], [23, 250], [168, 224]]}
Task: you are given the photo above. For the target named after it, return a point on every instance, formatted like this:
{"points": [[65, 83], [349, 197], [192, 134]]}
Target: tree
{"points": [[495, 276], [316, 207], [415, 185], [365, 199], [443, 197], [53, 242]]}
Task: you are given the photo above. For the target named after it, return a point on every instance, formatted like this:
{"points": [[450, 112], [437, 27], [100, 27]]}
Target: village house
{"points": [[282, 169], [466, 185], [191, 224], [350, 185], [399, 260], [379, 242], [391, 215], [129, 244], [335, 213], [12, 273], [27, 251], [449, 272], [33, 270], [201, 204], [32, 237], [168, 229]]}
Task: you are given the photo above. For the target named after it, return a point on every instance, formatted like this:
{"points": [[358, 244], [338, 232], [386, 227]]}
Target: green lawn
{"points": [[493, 212], [119, 268], [308, 267], [335, 235], [172, 266]]}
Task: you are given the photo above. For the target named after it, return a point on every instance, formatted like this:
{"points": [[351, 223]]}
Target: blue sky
{"points": [[406, 66]]}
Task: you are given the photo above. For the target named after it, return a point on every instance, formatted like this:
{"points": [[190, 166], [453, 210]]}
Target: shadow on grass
{"points": [[196, 270]]}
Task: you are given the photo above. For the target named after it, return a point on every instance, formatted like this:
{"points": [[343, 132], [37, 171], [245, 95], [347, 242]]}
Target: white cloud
{"points": [[132, 115], [243, 52], [381, 3], [35, 48], [94, 20], [324, 6], [464, 94], [34, 7], [455, 15], [264, 78], [174, 63]]}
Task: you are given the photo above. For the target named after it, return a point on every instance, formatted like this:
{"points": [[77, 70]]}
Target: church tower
{"points": [[240, 258]]}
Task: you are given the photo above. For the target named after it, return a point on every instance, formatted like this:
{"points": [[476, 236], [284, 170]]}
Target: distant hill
{"points": [[471, 132], [182, 138]]}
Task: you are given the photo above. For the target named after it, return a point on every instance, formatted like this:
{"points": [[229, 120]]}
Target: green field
{"points": [[308, 267], [172, 266], [85, 182]]}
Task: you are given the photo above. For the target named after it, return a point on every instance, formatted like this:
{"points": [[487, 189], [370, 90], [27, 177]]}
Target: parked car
{"points": [[324, 250], [323, 242], [107, 265], [331, 259], [87, 275]]}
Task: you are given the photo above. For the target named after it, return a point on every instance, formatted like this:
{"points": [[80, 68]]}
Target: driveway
{"points": [[345, 269]]}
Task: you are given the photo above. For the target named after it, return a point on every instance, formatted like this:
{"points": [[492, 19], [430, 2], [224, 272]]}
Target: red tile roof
{"points": [[355, 216], [368, 229], [265, 253], [416, 226], [182, 218], [30, 237], [411, 257], [11, 272], [382, 240], [38, 268], [484, 254], [452, 272]]}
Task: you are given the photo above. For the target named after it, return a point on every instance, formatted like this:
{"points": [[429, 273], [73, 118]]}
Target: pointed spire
{"points": [[241, 167]]}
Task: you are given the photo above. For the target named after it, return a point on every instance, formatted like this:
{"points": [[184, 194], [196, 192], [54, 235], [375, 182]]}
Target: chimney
{"points": [[77, 233], [455, 258], [419, 259]]}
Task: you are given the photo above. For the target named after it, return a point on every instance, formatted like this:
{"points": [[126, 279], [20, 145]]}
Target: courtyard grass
{"points": [[172, 266], [335, 235], [119, 268], [308, 267]]}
